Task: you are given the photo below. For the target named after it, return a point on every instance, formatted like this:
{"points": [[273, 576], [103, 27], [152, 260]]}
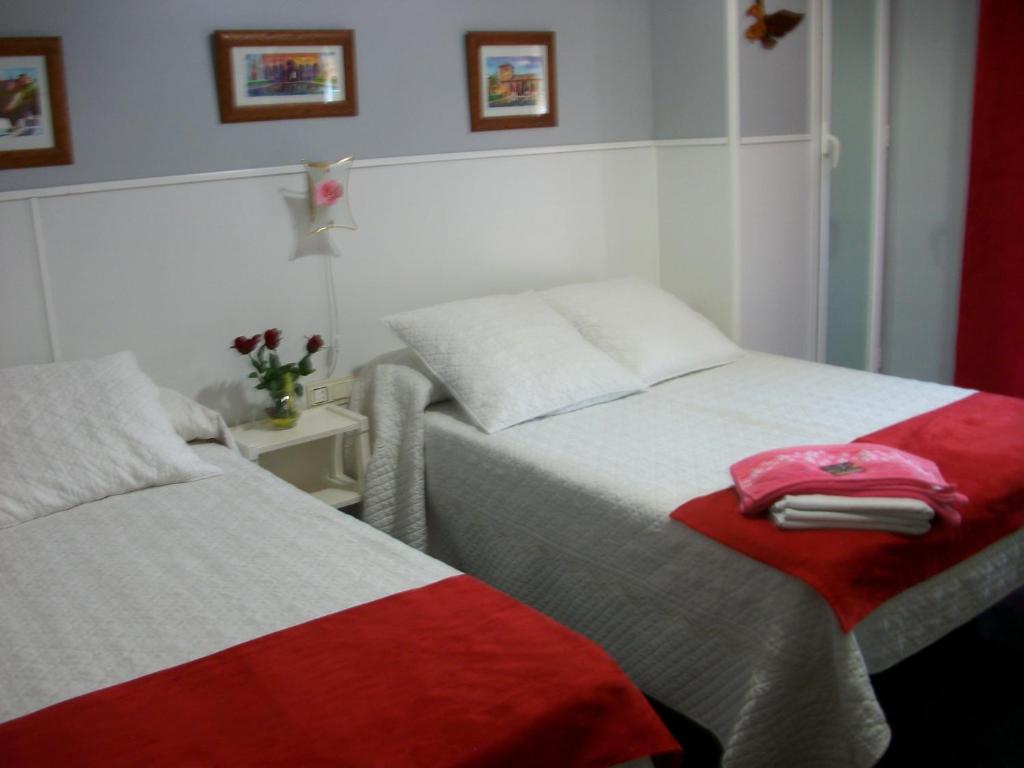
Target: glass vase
{"points": [[283, 411]]}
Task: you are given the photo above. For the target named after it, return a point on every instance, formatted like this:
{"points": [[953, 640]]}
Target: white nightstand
{"points": [[336, 484]]}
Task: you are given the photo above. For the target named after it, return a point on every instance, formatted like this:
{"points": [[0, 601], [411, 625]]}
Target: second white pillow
{"points": [[509, 359], [648, 330]]}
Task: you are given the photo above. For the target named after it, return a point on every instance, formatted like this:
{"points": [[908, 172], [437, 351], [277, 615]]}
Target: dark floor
{"points": [[959, 702]]}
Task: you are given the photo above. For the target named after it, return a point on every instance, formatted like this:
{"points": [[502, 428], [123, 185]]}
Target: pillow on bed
{"points": [[646, 329], [509, 359], [77, 432], [192, 420]]}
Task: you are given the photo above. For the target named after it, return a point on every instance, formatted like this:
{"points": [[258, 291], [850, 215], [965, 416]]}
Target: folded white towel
{"points": [[861, 513], [805, 520], [867, 506]]}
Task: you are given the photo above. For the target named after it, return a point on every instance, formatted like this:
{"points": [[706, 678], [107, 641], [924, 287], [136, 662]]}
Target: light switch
{"points": [[319, 395]]}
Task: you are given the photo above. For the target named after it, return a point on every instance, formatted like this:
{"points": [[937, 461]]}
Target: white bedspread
{"points": [[108, 591], [394, 391], [570, 513]]}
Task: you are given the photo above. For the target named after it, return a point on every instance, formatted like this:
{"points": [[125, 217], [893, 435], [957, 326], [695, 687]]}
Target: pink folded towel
{"points": [[850, 469]]}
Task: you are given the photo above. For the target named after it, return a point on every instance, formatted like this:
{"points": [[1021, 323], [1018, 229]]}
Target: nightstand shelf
{"points": [[336, 485], [337, 497]]}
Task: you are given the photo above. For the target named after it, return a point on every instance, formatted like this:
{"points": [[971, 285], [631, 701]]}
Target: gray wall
{"points": [[143, 100], [774, 84], [688, 49], [689, 59], [933, 47]]}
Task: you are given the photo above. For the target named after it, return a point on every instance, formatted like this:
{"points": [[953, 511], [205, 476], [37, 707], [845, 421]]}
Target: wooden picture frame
{"points": [[511, 80], [260, 77], [34, 125]]}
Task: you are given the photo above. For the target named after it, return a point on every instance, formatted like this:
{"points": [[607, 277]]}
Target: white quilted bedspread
{"points": [[111, 590], [570, 514]]}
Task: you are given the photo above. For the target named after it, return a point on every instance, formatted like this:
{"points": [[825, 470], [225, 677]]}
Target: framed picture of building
{"points": [[285, 74], [511, 80], [34, 127]]}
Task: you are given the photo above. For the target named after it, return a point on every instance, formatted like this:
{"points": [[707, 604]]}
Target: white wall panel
{"points": [[693, 222], [175, 272], [778, 283], [23, 329]]}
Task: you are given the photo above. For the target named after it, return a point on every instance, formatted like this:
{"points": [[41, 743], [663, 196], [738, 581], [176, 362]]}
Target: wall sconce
{"points": [[329, 209], [328, 196]]}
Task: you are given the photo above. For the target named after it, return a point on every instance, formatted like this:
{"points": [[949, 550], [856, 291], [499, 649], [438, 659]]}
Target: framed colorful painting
{"points": [[286, 74], [34, 126], [511, 80]]}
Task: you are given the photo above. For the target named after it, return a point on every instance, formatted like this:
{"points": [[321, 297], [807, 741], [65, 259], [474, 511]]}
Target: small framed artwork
{"points": [[285, 74], [34, 126], [511, 80]]}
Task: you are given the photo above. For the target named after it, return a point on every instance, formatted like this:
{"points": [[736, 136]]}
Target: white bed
{"points": [[95, 596], [571, 514], [111, 590]]}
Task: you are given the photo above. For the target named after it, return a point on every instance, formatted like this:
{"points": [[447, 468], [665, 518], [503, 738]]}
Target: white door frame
{"points": [[821, 106], [879, 185]]}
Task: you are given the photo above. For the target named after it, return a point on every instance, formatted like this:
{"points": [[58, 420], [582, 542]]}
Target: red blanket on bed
{"points": [[454, 673], [977, 442]]}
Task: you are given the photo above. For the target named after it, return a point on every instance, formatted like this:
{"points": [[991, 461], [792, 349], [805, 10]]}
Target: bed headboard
{"points": [[175, 268]]}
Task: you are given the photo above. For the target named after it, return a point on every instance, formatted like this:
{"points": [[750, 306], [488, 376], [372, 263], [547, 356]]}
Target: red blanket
{"points": [[977, 442], [454, 673]]}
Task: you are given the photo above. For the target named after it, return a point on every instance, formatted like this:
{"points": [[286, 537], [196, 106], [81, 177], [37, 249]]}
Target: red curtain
{"points": [[990, 342]]}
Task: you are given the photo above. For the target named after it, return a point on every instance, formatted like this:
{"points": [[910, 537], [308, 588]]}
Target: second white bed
{"points": [[571, 514]]}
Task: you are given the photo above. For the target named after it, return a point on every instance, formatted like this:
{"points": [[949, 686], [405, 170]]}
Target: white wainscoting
{"points": [[23, 327], [694, 223], [778, 259], [757, 278], [173, 271]]}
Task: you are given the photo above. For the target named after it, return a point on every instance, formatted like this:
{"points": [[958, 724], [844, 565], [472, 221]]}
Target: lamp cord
{"points": [[334, 345]]}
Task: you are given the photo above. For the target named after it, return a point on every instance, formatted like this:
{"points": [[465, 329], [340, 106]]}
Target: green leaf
{"points": [[298, 389], [275, 361], [253, 375]]}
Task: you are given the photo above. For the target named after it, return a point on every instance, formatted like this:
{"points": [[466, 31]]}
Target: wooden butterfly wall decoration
{"points": [[769, 27]]}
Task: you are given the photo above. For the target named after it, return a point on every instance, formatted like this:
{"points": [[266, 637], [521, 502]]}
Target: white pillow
{"points": [[77, 432], [509, 359], [192, 420], [646, 329]]}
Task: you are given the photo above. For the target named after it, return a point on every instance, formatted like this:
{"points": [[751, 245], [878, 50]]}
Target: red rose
{"points": [[314, 344], [244, 345], [272, 337]]}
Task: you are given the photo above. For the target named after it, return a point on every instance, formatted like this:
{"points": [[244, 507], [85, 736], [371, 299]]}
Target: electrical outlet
{"points": [[329, 391]]}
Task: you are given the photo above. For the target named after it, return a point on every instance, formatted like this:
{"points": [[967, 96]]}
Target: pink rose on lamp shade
{"points": [[329, 196], [327, 192]]}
